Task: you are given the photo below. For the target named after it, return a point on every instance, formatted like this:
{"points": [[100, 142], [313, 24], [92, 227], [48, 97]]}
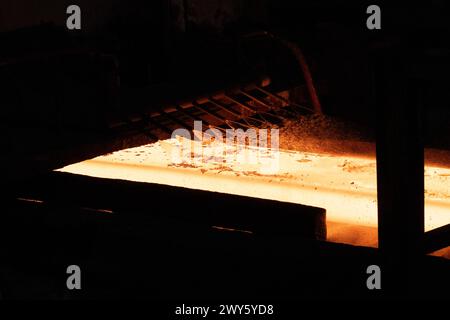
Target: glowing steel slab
{"points": [[345, 186]]}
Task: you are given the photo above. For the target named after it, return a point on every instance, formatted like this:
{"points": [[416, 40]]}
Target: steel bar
{"points": [[283, 100], [158, 125], [241, 104], [260, 101], [272, 95], [225, 108], [437, 239], [176, 120], [186, 112], [209, 112]]}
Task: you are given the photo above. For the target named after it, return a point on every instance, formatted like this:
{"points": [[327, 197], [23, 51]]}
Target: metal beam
{"points": [[437, 239], [400, 169]]}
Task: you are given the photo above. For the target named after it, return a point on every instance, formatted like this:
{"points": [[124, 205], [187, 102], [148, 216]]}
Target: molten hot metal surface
{"points": [[344, 185]]}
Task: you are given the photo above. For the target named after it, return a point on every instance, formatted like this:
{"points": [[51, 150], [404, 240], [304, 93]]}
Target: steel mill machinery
{"points": [[135, 73]]}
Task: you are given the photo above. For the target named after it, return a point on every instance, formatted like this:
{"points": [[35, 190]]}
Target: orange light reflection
{"points": [[344, 185]]}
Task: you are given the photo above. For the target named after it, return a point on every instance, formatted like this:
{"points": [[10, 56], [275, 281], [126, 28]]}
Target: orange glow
{"points": [[344, 185]]}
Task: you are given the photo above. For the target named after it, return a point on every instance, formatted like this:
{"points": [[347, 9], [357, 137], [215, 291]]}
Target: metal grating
{"points": [[254, 106]]}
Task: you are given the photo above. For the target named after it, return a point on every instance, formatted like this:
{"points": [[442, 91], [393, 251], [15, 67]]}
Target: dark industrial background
{"points": [[59, 90]]}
